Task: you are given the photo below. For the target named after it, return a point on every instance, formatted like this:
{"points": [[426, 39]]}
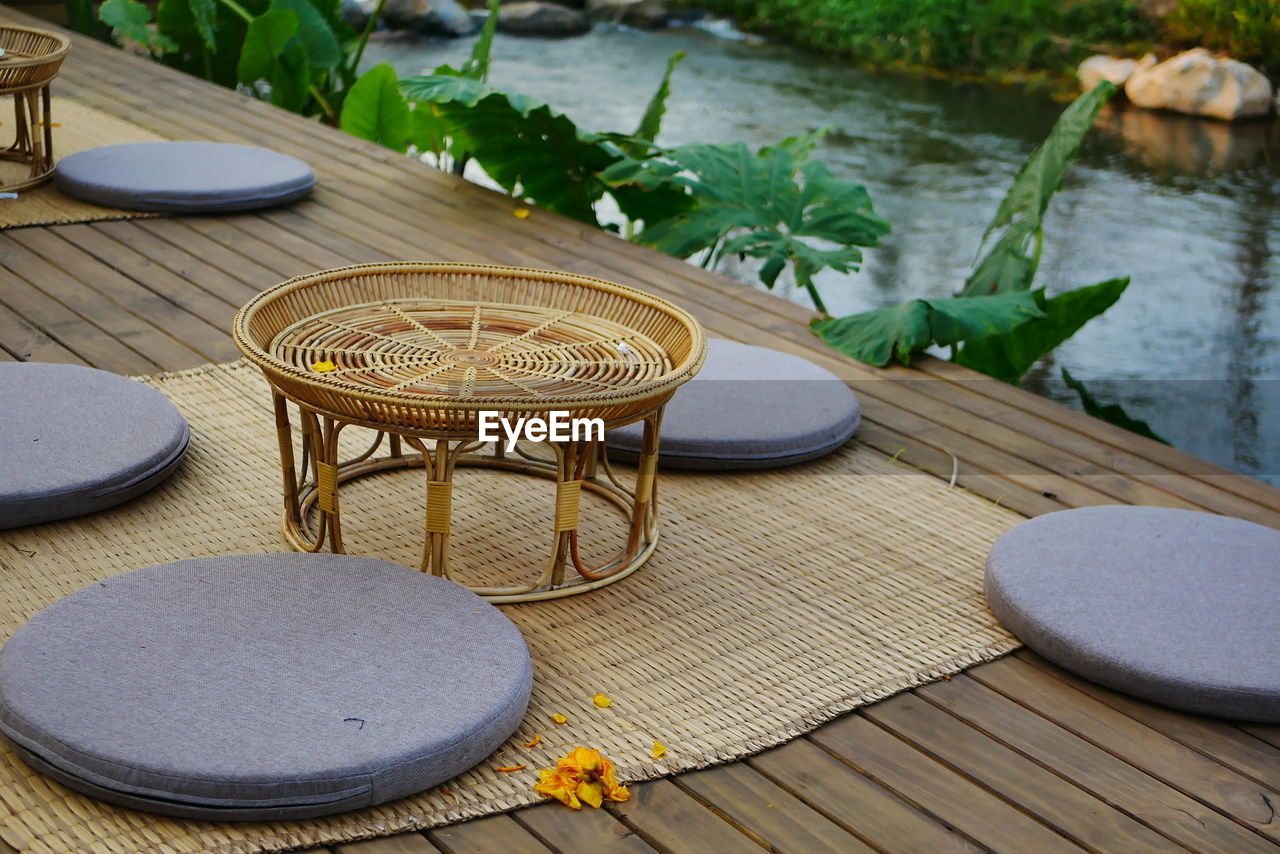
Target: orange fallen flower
{"points": [[507, 769], [659, 750], [323, 367], [559, 718], [582, 777], [601, 701], [533, 742]]}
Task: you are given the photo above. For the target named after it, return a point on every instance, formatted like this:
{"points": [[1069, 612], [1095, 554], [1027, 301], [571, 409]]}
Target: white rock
{"points": [[1095, 69], [1199, 84]]}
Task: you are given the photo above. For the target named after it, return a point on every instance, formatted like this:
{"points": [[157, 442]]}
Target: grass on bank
{"points": [[1032, 42]]}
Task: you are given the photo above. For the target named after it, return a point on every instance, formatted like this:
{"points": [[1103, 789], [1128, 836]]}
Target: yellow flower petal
{"points": [[602, 701], [559, 718], [507, 769], [659, 750], [533, 742], [582, 777], [521, 213], [323, 367]]}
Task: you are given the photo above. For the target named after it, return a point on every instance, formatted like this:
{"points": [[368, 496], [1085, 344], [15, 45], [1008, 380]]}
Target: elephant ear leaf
{"points": [[314, 33], [130, 20], [374, 109], [877, 336], [269, 53], [1009, 356], [1010, 264]]}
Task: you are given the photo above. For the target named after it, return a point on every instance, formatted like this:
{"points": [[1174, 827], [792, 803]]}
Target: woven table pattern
{"points": [[818, 589]]}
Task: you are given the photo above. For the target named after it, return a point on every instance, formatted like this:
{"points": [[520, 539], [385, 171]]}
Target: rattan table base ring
{"points": [[311, 491]]}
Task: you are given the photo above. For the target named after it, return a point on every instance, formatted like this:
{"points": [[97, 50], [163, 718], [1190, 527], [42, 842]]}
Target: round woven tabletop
{"points": [[470, 350]]}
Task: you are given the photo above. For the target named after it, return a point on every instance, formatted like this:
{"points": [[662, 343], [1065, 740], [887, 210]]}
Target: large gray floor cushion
{"points": [[183, 177], [263, 686], [75, 440], [749, 408], [1176, 607]]}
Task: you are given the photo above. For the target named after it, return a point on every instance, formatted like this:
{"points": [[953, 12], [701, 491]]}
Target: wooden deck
{"points": [[1011, 756]]}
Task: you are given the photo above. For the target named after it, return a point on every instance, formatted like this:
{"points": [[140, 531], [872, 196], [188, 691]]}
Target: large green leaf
{"points": [[1009, 356], [205, 15], [1112, 413], [375, 110], [270, 53], [130, 20], [428, 132], [530, 150], [314, 33], [877, 336], [477, 65], [762, 205], [1010, 264], [80, 16], [651, 121]]}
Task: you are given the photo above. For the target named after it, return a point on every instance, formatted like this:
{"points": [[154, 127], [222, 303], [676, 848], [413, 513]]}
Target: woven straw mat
{"points": [[774, 602], [75, 128]]}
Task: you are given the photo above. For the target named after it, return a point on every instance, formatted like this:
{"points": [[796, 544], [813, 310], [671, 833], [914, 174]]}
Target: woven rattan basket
{"points": [[424, 347], [31, 57]]}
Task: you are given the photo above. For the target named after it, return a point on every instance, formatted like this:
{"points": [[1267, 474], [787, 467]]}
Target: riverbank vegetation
{"points": [[1035, 42]]}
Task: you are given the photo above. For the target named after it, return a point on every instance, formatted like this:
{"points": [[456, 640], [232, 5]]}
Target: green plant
{"points": [[298, 54], [997, 324], [1112, 413], [775, 205], [1249, 30]]}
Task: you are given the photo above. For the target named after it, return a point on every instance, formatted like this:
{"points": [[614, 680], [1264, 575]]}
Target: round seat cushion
{"points": [[263, 686], [1173, 606], [749, 408], [76, 440], [183, 177]]}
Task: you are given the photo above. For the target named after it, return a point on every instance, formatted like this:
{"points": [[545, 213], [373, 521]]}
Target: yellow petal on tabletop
{"points": [[659, 750], [533, 742], [559, 718], [602, 701], [521, 213], [507, 769], [323, 367], [553, 784]]}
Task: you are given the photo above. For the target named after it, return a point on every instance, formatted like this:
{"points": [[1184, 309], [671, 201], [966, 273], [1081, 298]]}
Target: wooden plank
{"points": [[111, 300], [1074, 813], [585, 831], [751, 802], [223, 286], [1188, 771], [1130, 789], [408, 843], [875, 815], [936, 789], [1217, 739], [69, 329], [21, 340], [495, 833], [1270, 733], [209, 336], [674, 822]]}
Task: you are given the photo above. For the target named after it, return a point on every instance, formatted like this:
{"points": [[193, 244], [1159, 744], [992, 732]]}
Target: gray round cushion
{"points": [[749, 408], [76, 440], [183, 177], [263, 686], [1176, 607]]}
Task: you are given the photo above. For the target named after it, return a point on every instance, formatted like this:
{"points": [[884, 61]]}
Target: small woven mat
{"points": [[775, 601], [75, 128]]}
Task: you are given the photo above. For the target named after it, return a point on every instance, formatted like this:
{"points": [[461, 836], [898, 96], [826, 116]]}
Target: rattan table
{"points": [[30, 60], [417, 351]]}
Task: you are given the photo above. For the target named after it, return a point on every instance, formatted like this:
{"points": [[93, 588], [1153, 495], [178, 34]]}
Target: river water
{"points": [[1189, 209]]}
